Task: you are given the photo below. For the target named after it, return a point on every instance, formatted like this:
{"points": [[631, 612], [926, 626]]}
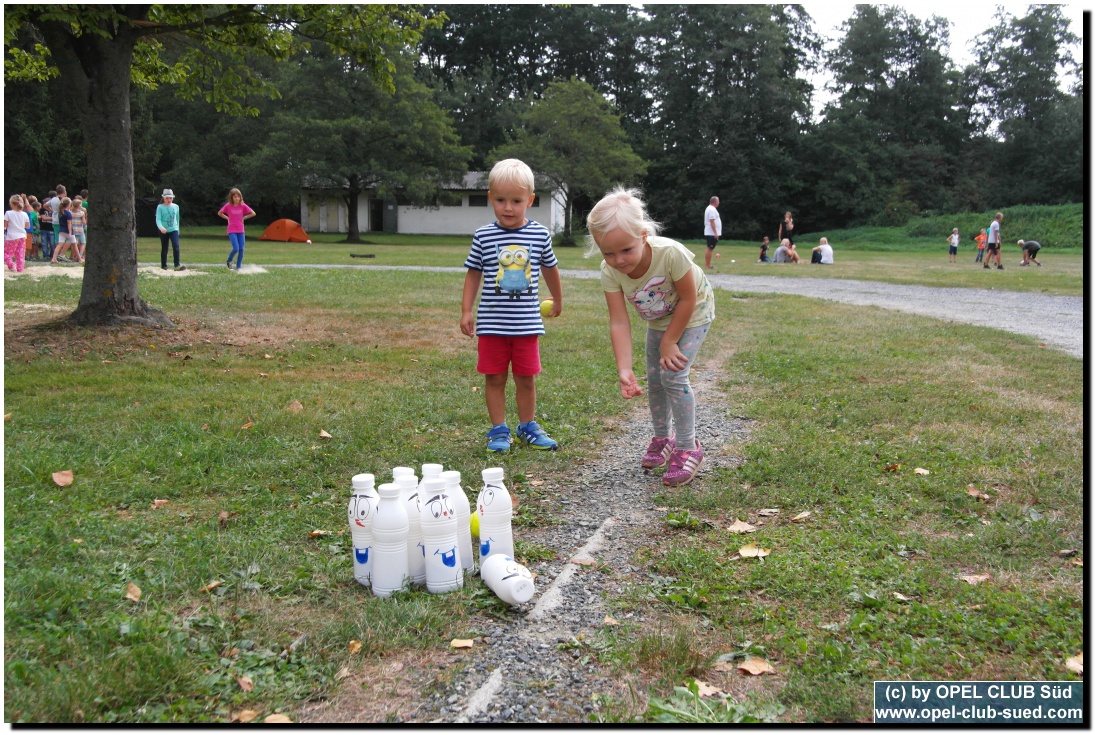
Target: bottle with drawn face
{"points": [[444, 572], [416, 552], [390, 571], [512, 582], [463, 517], [361, 512], [495, 516]]}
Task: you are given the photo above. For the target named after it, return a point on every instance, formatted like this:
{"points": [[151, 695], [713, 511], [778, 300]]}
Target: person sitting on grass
{"points": [[1030, 252], [823, 253], [763, 257]]}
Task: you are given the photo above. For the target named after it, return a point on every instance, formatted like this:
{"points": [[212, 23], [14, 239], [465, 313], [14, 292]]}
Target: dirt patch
{"points": [[38, 272]]}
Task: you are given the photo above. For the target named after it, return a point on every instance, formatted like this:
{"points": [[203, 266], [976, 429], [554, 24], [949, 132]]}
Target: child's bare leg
{"points": [[526, 397], [495, 392]]}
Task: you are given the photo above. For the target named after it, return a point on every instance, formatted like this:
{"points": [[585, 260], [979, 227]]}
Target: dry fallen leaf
{"points": [[900, 597], [892, 467], [355, 646], [7, 417], [1078, 562], [158, 504], [740, 527], [316, 533], [974, 492], [584, 561], [1066, 553], [63, 478], [752, 550], [248, 425], [706, 690], [278, 719], [211, 586], [921, 471], [801, 517], [723, 666], [342, 673], [245, 683], [264, 375], [295, 407], [223, 516], [755, 667], [323, 434], [461, 643], [609, 620], [132, 592], [267, 357], [1075, 664], [244, 715], [974, 579], [77, 540], [768, 512]]}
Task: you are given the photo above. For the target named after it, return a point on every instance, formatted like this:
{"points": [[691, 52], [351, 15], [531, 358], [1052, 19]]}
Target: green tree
{"points": [[343, 130], [95, 51], [574, 137]]}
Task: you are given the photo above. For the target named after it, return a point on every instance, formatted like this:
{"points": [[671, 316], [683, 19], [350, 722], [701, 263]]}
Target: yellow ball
{"points": [[546, 306], [475, 523]]}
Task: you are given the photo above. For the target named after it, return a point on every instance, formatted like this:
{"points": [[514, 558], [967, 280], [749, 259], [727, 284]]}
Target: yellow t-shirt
{"points": [[654, 295]]}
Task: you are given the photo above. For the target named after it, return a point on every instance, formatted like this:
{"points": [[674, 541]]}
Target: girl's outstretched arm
{"points": [[619, 328]]}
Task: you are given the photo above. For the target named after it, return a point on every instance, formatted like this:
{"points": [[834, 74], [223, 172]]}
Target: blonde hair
{"points": [[512, 171], [66, 203], [232, 191], [619, 209], [16, 202]]}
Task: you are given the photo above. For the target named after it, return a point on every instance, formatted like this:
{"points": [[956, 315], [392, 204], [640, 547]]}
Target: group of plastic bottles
{"points": [[412, 531]]}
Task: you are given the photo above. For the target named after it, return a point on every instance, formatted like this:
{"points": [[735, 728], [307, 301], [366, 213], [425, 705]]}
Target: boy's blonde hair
{"points": [[619, 209], [512, 171]]}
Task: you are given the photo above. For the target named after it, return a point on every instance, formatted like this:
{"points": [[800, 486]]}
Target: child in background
{"points": [[45, 230], [763, 257], [981, 240], [32, 234], [235, 212], [79, 227], [507, 259], [66, 242], [670, 292], [952, 251], [167, 220], [16, 224]]}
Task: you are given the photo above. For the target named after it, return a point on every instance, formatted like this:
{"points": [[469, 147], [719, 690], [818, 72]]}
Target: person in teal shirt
{"points": [[167, 220]]}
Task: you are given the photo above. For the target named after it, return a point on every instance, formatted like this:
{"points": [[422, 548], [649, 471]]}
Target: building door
{"points": [[376, 215]]}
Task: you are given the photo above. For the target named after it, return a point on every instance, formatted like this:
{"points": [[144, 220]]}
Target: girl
{"points": [[167, 221], [786, 229], [45, 228], [79, 227], [673, 295], [16, 224], [235, 211], [66, 241]]}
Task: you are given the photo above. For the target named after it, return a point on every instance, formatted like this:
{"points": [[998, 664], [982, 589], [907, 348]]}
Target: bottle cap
{"points": [[451, 477], [389, 490], [430, 470], [398, 472], [433, 486], [493, 474], [364, 481]]}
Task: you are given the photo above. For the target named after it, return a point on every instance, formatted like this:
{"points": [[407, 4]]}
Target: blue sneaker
{"points": [[535, 437], [498, 439]]}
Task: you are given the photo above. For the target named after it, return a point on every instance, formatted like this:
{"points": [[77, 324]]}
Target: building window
{"points": [[536, 201], [477, 200]]}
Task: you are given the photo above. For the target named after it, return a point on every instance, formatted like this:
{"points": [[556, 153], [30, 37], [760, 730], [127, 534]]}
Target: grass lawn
{"points": [[240, 607], [922, 263]]}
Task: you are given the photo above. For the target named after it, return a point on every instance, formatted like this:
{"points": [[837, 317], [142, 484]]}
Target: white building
{"points": [[324, 210]]}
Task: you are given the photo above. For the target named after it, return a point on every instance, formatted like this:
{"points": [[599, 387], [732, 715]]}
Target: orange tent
{"points": [[285, 230]]}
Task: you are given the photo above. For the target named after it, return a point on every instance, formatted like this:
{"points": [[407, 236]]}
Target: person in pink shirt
{"points": [[235, 211]]}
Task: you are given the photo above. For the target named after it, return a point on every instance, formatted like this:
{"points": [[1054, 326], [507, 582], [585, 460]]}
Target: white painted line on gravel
{"points": [[553, 595], [478, 702]]}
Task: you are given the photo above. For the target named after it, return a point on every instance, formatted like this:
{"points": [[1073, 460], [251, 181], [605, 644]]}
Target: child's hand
{"points": [[672, 358], [629, 385], [467, 325]]}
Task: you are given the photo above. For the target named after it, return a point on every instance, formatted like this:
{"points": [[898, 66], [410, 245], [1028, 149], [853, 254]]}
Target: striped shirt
{"points": [[509, 304]]}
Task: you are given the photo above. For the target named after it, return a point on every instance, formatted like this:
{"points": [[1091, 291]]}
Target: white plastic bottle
{"points": [[512, 582], [398, 472], [390, 569], [430, 469], [495, 516], [361, 511], [463, 517], [444, 572], [416, 552]]}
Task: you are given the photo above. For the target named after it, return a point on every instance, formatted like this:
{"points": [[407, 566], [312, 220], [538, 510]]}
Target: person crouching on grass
{"points": [[507, 259], [671, 293]]}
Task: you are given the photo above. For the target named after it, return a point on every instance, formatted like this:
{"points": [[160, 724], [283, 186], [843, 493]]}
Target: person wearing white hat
{"points": [[167, 221]]}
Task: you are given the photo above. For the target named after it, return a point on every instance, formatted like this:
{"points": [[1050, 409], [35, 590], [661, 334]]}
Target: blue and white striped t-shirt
{"points": [[509, 305]]}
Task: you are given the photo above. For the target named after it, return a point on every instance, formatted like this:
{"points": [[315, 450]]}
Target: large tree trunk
{"points": [[95, 78], [353, 227]]}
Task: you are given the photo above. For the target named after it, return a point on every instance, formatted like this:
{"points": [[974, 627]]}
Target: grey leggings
{"points": [[671, 398]]}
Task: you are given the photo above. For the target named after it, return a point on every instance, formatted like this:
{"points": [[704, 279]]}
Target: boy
{"points": [[507, 259]]}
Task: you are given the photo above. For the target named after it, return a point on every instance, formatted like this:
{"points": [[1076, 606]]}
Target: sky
{"points": [[968, 20]]}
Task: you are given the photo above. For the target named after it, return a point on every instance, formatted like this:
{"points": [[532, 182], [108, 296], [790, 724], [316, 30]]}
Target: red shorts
{"points": [[496, 353]]}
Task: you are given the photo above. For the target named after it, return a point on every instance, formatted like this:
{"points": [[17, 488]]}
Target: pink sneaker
{"points": [[683, 464], [657, 452]]}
